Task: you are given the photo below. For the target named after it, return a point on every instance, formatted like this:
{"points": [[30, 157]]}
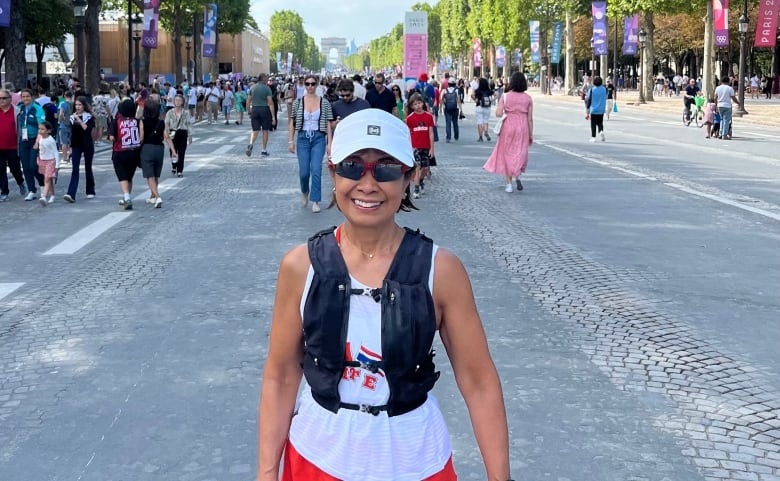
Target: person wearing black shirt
{"points": [[611, 97], [380, 97], [349, 103], [81, 143], [690, 94]]}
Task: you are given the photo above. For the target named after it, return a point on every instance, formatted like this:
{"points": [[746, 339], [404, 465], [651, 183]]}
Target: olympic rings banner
{"points": [[5, 13], [766, 23], [210, 31], [630, 34], [720, 13], [151, 23]]}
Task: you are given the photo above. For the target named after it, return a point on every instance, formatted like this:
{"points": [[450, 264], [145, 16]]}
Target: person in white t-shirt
{"points": [[724, 95], [341, 319], [48, 161]]}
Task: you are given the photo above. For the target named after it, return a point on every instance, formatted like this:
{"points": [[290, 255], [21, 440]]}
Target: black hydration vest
{"points": [[408, 325]]}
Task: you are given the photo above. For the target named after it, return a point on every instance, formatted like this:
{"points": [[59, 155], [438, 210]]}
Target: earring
{"points": [[334, 190]]}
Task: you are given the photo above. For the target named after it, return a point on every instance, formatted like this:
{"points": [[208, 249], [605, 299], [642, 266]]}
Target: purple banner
{"points": [[151, 23], [477, 46], [5, 13], [630, 35], [210, 31], [599, 10], [500, 56], [720, 17]]}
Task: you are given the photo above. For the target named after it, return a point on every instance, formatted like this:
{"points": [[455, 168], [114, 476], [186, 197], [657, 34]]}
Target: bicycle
{"points": [[696, 115]]}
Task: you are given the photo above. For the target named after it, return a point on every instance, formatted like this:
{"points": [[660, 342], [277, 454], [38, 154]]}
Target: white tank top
{"points": [[355, 446]]}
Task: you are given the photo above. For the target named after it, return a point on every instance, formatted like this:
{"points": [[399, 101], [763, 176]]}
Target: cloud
{"points": [[362, 20]]}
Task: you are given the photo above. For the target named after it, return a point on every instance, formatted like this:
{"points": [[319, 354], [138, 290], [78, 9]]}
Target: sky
{"points": [[361, 20]]}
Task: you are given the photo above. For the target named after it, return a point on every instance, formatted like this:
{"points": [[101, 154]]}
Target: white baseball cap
{"points": [[372, 129]]}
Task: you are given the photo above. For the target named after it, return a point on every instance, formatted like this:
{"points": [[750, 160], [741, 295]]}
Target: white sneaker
{"points": [[158, 203], [315, 207], [30, 196], [42, 200], [91, 196], [50, 200], [592, 140], [603, 138], [508, 188], [151, 200]]}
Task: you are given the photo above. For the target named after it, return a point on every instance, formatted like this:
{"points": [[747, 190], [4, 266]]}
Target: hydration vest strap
{"points": [[363, 408]]}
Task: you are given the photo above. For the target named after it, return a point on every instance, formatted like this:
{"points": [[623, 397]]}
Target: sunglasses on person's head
{"points": [[310, 84], [382, 171]]}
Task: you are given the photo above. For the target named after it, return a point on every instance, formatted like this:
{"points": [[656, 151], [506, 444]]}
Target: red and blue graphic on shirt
{"points": [[367, 378]]}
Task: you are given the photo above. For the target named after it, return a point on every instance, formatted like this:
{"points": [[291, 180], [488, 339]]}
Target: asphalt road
{"points": [[630, 294]]}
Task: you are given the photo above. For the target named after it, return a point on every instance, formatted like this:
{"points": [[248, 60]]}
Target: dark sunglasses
{"points": [[5, 98], [310, 84], [382, 171]]}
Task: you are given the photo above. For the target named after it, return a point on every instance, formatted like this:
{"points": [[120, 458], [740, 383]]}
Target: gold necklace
{"points": [[367, 254]]}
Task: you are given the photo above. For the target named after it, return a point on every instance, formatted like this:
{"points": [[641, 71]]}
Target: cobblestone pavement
{"points": [[139, 357]]}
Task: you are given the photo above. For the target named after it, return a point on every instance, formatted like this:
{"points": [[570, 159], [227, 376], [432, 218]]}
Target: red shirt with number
{"points": [[126, 132]]}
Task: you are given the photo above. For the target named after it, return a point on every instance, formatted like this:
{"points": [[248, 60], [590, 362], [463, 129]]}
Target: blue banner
{"points": [[533, 25], [5, 13], [599, 10], [279, 62], [630, 34], [210, 31], [557, 40], [500, 56], [517, 58]]}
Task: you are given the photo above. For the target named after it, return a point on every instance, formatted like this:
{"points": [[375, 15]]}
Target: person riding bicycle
{"points": [[691, 90]]}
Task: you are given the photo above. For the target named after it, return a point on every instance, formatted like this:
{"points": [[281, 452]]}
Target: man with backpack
{"points": [[450, 102], [65, 125]]}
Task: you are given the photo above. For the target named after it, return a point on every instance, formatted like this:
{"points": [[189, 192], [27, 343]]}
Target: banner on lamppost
{"points": [[517, 58], [766, 23], [415, 44], [210, 31], [557, 40], [599, 11], [533, 26], [476, 46], [279, 62], [151, 23], [500, 56], [630, 34], [289, 62], [720, 14], [5, 13]]}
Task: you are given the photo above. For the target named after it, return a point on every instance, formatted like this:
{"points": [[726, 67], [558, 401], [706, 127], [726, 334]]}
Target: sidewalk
{"points": [[760, 111]]}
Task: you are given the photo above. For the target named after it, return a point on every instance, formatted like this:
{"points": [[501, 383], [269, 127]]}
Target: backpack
{"points": [[67, 111], [50, 110], [451, 100], [485, 100], [422, 89]]}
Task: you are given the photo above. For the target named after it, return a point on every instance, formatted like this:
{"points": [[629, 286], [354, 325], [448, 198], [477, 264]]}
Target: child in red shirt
{"points": [[421, 124]]}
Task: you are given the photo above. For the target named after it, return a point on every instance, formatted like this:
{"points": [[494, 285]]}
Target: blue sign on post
{"points": [[557, 40], [5, 13]]}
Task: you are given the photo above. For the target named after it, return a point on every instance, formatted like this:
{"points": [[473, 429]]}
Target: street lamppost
{"points": [[138, 30], [642, 39], [188, 43], [743, 28], [549, 70], [592, 59], [79, 10]]}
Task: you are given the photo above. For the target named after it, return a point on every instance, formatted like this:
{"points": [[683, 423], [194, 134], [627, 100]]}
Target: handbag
{"points": [[614, 107], [499, 124]]}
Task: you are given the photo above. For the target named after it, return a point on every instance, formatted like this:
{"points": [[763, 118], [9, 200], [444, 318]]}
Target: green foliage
{"points": [[47, 21]]}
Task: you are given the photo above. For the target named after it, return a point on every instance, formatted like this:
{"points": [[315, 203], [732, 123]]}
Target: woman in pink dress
{"points": [[510, 155]]}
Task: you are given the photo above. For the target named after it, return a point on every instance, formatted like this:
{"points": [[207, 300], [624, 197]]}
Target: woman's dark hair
{"points": [[126, 108], [483, 84], [48, 125], [518, 83], [597, 82], [151, 109], [84, 103]]}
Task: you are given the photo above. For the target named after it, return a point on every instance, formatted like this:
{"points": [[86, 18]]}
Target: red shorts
{"points": [[296, 468]]}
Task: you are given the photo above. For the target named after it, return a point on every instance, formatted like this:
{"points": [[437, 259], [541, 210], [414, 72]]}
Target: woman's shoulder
{"points": [[295, 262]]}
